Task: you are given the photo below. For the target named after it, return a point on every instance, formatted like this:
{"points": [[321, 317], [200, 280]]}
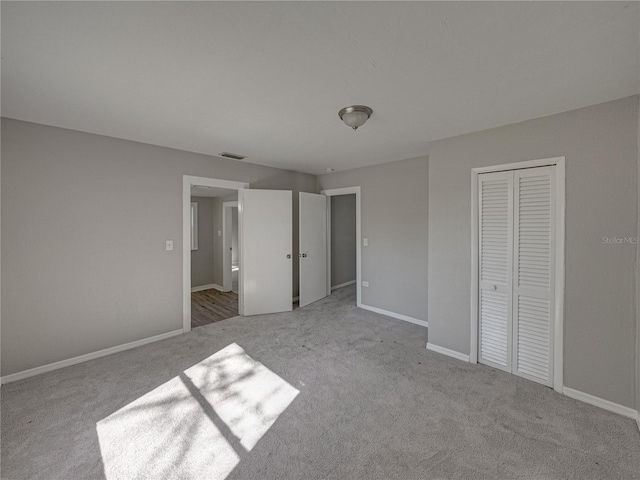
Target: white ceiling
{"points": [[198, 191], [266, 80]]}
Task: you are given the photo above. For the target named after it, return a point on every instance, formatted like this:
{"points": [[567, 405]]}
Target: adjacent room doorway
{"points": [[344, 241], [265, 247], [211, 299]]}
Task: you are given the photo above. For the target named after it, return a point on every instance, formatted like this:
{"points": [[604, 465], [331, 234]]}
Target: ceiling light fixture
{"points": [[355, 116]]}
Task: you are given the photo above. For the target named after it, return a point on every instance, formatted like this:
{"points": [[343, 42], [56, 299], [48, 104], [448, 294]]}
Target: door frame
{"points": [[187, 182], [346, 191], [558, 314], [226, 243]]}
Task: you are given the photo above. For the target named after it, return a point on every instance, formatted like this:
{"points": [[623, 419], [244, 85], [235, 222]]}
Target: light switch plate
{"points": [[365, 242], [169, 245]]}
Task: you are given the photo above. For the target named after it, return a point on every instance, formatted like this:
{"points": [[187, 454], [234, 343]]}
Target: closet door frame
{"points": [[558, 311]]}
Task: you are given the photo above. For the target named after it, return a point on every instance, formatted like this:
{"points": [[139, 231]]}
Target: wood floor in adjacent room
{"points": [[209, 306]]}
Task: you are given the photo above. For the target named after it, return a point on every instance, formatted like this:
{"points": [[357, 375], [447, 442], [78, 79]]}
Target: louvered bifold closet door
{"points": [[534, 264], [496, 256]]}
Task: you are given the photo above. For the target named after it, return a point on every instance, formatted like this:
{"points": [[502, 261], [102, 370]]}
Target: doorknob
{"points": [[288, 255], [304, 255], [494, 287]]}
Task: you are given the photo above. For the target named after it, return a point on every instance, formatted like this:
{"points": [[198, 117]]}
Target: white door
{"points": [[266, 244], [496, 246], [313, 247], [517, 266], [534, 268]]}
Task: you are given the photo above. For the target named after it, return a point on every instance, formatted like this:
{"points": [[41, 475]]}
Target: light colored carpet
{"points": [[328, 391]]}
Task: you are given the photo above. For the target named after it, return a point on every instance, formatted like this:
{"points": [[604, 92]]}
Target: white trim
{"points": [[558, 354], [85, 358], [544, 162], [601, 402], [475, 269], [227, 260], [399, 316], [207, 287], [329, 289], [447, 352], [348, 191], [187, 182], [240, 253], [558, 335], [345, 284]]}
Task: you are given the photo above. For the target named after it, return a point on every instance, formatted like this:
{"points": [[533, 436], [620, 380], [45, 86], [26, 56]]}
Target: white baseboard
{"points": [[85, 358], [399, 316], [345, 284], [448, 352], [601, 402], [207, 287]]}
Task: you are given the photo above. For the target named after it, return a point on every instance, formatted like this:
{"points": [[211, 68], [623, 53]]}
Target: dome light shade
{"points": [[355, 116]]}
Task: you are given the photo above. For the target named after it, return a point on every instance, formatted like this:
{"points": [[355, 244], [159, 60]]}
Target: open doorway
{"points": [[265, 241], [344, 243], [211, 300], [205, 299]]}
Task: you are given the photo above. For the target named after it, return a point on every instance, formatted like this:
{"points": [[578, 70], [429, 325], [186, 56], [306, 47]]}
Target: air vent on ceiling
{"points": [[234, 156]]}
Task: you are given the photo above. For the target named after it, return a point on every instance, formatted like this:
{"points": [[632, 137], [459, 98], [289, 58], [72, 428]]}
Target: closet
{"points": [[517, 250]]}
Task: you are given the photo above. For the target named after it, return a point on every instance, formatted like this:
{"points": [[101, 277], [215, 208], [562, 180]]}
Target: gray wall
{"points": [[600, 146], [85, 219], [343, 239], [217, 241], [202, 260], [394, 207], [234, 236]]}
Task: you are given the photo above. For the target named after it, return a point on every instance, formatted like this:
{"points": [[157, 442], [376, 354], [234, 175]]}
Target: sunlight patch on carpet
{"points": [[197, 425]]}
